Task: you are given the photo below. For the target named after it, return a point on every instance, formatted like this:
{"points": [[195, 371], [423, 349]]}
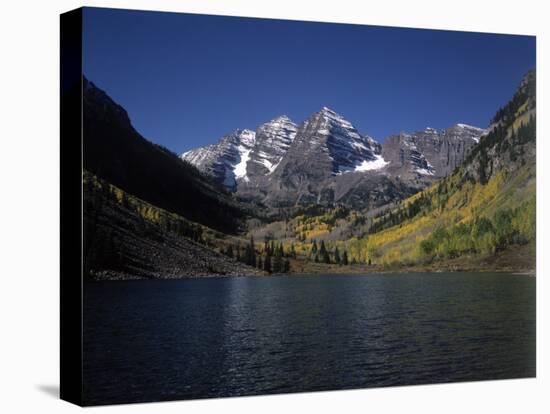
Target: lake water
{"points": [[195, 338]]}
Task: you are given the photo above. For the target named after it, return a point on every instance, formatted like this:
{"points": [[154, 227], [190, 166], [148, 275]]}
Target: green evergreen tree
{"points": [[277, 264], [504, 229], [286, 268], [345, 258], [292, 251], [267, 263], [229, 251], [251, 253], [314, 248], [324, 253], [336, 256], [238, 256]]}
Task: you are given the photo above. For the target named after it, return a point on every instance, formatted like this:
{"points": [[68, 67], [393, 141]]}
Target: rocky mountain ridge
{"points": [[326, 160], [226, 161]]}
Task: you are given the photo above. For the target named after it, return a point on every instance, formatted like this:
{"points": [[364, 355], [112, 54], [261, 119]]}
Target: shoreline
{"points": [[328, 272]]}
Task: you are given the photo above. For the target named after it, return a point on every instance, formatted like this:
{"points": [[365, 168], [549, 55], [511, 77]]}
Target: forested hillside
{"points": [[487, 206], [127, 238]]}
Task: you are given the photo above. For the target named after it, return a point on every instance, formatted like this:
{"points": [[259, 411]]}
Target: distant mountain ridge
{"points": [[431, 152], [326, 160]]}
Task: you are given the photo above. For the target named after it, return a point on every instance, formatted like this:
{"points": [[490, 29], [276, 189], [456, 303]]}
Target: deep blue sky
{"points": [[186, 80]]}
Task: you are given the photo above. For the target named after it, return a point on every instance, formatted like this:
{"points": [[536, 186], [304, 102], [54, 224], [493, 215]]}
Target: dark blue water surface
{"points": [[160, 340]]}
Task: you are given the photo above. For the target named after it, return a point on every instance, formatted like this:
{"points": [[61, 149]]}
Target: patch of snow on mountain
{"points": [[359, 145], [429, 170], [335, 119], [466, 126], [240, 168], [424, 171], [375, 164], [263, 159], [474, 132], [273, 140], [247, 139], [269, 165], [409, 142]]}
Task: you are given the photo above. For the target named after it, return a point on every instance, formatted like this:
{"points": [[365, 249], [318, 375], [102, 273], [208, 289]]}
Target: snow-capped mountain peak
{"points": [[273, 139], [247, 137], [335, 119], [226, 161], [325, 146], [348, 149], [245, 153]]}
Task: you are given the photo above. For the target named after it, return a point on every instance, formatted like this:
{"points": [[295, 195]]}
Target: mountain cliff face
{"points": [[331, 142], [273, 139], [326, 161], [227, 160], [326, 146], [244, 155], [430, 153]]}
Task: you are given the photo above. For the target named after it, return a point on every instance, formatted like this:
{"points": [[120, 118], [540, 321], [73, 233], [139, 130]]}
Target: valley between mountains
{"points": [[316, 196]]}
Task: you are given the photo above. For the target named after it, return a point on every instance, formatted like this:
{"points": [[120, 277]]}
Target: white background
{"points": [[29, 193]]}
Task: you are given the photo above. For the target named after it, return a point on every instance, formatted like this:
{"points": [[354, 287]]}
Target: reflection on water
{"points": [[161, 340]]}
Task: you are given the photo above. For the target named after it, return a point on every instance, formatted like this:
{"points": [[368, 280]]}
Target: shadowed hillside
{"points": [[116, 152]]}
